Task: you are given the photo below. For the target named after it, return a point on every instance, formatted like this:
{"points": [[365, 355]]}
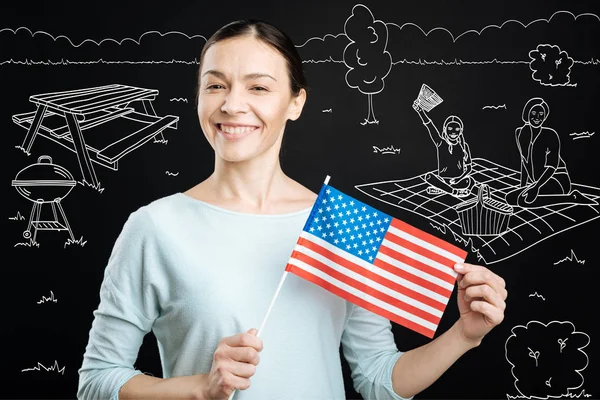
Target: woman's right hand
{"points": [[234, 362]]}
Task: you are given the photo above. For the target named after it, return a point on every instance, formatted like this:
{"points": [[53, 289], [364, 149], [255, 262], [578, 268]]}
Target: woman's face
{"points": [[453, 131], [244, 99], [537, 115]]}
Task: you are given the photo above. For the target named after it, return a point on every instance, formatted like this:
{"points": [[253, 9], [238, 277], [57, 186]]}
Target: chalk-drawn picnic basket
{"points": [[483, 215]]}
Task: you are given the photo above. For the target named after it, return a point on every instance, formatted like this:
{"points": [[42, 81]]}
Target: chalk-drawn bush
{"points": [[550, 65]]}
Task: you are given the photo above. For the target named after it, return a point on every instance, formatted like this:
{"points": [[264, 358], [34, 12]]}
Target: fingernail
{"points": [[459, 267]]}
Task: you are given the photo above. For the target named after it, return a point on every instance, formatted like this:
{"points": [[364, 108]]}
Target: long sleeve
{"points": [[369, 347], [125, 314]]}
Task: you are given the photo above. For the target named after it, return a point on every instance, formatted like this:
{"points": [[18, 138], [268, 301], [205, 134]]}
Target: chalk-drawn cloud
{"points": [[22, 45], [547, 360], [509, 41]]}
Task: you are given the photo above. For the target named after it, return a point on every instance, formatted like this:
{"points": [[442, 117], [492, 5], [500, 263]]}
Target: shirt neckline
{"points": [[243, 214]]}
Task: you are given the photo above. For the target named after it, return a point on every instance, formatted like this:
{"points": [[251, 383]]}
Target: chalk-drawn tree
{"points": [[366, 56], [550, 65]]}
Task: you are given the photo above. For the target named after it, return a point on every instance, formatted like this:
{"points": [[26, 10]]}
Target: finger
{"points": [[235, 382], [241, 369], [476, 275], [245, 339], [486, 293], [493, 315], [243, 354]]}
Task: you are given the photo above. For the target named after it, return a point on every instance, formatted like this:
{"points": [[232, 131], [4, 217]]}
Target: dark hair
{"points": [[269, 34]]}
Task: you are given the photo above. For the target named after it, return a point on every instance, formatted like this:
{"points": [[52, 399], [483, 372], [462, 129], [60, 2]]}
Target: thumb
{"points": [[253, 331]]}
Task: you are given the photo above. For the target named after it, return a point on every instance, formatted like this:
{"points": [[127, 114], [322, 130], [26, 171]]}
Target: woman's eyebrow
{"points": [[254, 75]]}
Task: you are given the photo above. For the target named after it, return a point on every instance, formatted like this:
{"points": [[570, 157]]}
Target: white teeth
{"points": [[236, 130]]}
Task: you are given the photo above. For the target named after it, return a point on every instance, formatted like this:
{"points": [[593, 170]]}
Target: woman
{"points": [[199, 268], [453, 154], [544, 177]]}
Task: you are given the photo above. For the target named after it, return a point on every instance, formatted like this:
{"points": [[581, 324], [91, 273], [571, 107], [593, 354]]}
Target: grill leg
{"points": [[64, 217], [37, 219]]}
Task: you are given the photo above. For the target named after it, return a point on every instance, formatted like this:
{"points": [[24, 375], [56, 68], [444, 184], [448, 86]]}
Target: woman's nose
{"points": [[235, 102]]}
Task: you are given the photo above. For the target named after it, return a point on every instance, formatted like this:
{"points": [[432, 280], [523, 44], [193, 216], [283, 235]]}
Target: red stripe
{"points": [[345, 263], [403, 226], [421, 251], [367, 289], [360, 302], [429, 270], [417, 280]]}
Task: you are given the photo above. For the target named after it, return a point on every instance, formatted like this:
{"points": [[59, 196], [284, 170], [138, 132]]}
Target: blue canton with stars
{"points": [[347, 223]]}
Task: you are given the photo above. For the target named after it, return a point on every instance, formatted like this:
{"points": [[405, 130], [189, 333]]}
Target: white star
{"points": [[370, 258], [355, 211], [351, 237], [340, 232], [367, 251], [351, 202], [324, 201], [356, 228], [385, 219], [348, 247], [348, 212], [377, 238], [344, 222], [328, 191], [324, 234], [328, 226], [340, 197], [331, 234], [340, 214], [324, 218], [319, 228], [364, 226], [367, 216], [371, 242], [328, 208], [360, 217], [332, 199], [335, 241], [351, 220], [360, 252], [378, 222], [355, 245], [343, 205], [359, 236], [336, 224], [375, 214], [343, 240], [368, 233], [336, 206], [347, 230], [320, 211], [374, 248], [364, 242], [316, 219], [312, 229], [382, 229], [364, 208]]}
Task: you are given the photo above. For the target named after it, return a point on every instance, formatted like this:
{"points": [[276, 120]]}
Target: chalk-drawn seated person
{"points": [[453, 155], [544, 176]]}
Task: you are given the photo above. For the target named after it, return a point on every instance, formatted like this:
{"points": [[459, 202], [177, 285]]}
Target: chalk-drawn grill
{"points": [[40, 183]]}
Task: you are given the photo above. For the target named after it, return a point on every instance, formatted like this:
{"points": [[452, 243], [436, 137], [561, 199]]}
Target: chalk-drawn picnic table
{"points": [[98, 124]]}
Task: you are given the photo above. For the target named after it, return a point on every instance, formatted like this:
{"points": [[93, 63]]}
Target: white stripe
{"points": [[416, 256], [425, 244], [381, 288], [363, 295], [415, 271], [367, 265]]}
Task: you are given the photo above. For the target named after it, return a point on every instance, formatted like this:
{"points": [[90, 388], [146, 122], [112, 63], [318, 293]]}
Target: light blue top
{"points": [[194, 273]]}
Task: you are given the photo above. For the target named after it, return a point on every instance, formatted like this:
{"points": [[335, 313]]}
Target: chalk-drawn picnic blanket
{"points": [[526, 227]]}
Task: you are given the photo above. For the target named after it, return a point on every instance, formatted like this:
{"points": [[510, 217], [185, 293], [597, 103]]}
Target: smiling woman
{"points": [[199, 268]]}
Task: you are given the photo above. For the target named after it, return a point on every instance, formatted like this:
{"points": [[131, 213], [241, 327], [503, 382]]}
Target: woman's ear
{"points": [[297, 105]]}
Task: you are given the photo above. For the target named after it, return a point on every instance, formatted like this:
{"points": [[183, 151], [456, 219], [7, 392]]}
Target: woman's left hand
{"points": [[481, 296]]}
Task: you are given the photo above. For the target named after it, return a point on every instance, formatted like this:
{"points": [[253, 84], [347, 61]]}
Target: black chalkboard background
{"points": [[475, 55]]}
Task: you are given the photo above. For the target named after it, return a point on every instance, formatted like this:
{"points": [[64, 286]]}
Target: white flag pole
{"points": [[285, 273]]}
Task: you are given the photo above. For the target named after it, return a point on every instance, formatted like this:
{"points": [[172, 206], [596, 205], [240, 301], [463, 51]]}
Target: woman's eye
{"points": [[214, 86], [260, 88]]}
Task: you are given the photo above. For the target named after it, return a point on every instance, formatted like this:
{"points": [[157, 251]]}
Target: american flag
{"points": [[376, 261]]}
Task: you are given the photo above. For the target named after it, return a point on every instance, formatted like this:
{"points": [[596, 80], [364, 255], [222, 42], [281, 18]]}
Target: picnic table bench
{"points": [[99, 124]]}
